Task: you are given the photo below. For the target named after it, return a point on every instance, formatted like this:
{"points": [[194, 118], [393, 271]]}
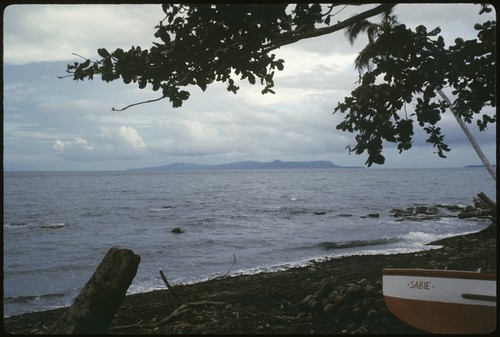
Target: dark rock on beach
{"points": [[341, 295], [177, 230]]}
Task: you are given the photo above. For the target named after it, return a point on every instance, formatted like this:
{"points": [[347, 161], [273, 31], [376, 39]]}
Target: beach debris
{"points": [[229, 270], [169, 287], [94, 308], [177, 297], [483, 206], [185, 306]]}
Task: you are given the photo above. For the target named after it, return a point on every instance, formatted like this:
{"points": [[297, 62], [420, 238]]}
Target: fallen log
{"points": [[476, 213], [484, 207], [95, 306], [484, 198]]}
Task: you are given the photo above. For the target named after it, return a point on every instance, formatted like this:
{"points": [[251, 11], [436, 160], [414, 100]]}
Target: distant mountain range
{"points": [[244, 165]]}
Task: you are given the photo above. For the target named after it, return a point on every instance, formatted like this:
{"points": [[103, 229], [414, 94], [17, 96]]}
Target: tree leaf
{"points": [[103, 52]]}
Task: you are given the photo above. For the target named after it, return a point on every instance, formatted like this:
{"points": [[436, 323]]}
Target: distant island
{"points": [[473, 166], [245, 165]]}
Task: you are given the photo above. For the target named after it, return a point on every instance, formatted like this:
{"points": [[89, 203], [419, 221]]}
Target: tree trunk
{"points": [[469, 135], [95, 307]]}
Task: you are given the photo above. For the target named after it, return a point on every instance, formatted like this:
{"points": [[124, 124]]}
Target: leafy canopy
{"points": [[416, 64], [201, 44]]}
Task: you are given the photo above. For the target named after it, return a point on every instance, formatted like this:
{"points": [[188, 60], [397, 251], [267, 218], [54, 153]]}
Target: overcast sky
{"points": [[59, 124]]}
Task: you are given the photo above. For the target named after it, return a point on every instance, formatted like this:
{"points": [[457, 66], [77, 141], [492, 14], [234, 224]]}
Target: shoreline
{"points": [[269, 302]]}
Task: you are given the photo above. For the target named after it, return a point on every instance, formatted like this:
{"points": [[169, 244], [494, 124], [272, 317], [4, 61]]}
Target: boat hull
{"points": [[440, 301]]}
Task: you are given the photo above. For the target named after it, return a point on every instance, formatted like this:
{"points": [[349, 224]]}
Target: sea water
{"points": [[59, 225]]}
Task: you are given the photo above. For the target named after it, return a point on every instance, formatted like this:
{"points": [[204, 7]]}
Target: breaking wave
{"points": [[18, 225], [32, 298], [358, 243]]}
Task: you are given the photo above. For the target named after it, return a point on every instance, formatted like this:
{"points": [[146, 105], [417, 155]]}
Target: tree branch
{"points": [[227, 273], [144, 102], [164, 278], [327, 30]]}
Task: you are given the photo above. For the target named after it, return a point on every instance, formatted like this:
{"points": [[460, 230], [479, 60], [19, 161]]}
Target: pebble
{"points": [[357, 304]]}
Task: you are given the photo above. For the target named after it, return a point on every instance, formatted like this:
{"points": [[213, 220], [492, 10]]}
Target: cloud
{"points": [[78, 149], [79, 143], [70, 124], [455, 19], [119, 143], [38, 33], [123, 137]]}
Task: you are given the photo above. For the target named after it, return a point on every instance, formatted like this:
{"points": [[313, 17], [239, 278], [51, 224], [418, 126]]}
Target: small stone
{"points": [[344, 311], [319, 294], [305, 305], [354, 289], [333, 296], [328, 309], [372, 313], [367, 302], [316, 305], [357, 312], [384, 312], [379, 303]]}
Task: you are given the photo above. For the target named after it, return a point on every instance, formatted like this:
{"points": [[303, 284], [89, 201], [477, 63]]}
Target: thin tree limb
{"points": [[234, 260], [184, 308], [164, 278], [114, 328], [231, 267], [144, 102]]}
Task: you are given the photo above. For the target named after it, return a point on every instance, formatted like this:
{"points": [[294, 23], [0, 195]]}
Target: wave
{"points": [[163, 208], [18, 225], [32, 298], [408, 239], [421, 237], [53, 225], [358, 243]]}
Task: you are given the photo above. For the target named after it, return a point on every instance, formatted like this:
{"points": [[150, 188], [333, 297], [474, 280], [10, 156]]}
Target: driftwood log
{"points": [[485, 207], [94, 308]]}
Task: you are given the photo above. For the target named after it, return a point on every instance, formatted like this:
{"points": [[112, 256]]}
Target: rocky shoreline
{"points": [[299, 300]]}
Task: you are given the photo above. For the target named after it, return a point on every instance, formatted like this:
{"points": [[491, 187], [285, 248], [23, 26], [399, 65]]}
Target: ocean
{"points": [[59, 225]]}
